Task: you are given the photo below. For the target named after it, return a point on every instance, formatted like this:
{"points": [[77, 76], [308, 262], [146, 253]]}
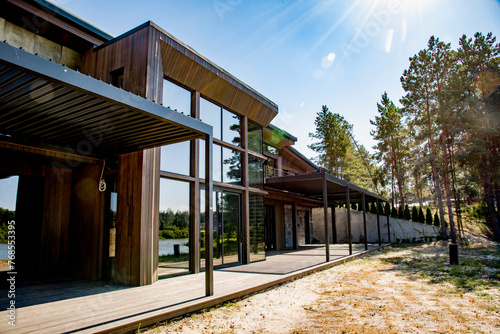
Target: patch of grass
{"points": [[478, 267]]}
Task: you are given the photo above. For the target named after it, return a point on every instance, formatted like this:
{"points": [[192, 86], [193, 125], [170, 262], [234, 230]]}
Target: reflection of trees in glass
{"points": [[257, 236], [231, 218], [255, 171], [232, 166], [255, 137], [5, 216], [174, 225]]}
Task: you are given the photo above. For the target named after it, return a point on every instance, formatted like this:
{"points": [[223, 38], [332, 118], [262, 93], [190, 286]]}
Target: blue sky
{"points": [[303, 54], [307, 53]]}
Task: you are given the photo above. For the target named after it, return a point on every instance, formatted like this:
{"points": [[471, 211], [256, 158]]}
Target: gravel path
{"points": [[399, 290]]}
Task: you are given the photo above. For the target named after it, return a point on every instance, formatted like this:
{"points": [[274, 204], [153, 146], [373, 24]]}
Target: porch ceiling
{"points": [[311, 186], [48, 105]]}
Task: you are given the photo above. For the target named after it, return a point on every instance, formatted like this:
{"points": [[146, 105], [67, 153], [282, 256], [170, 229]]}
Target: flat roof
{"points": [[46, 104], [311, 186]]}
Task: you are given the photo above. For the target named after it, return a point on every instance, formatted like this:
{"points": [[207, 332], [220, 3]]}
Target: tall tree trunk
{"points": [[447, 188], [435, 174], [485, 173]]}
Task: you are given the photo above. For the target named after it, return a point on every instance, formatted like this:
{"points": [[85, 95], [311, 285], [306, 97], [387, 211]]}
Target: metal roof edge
{"points": [[58, 10]]}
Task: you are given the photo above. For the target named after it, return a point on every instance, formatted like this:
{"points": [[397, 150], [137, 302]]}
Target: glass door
{"points": [[227, 228]]}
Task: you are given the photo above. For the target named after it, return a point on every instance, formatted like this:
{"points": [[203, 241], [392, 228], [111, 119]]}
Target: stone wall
{"points": [[399, 229]]}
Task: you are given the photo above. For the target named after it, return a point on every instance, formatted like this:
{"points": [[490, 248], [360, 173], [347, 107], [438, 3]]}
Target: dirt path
{"points": [[400, 290]]}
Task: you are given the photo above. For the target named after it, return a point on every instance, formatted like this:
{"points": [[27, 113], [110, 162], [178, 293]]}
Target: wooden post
{"points": [[209, 261], [194, 220], [245, 258], [348, 201], [378, 225], [295, 227], [334, 224], [388, 226], [325, 212], [364, 220]]}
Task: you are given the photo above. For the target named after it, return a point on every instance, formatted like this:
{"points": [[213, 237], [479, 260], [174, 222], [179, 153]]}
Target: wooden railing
{"points": [[274, 172]]}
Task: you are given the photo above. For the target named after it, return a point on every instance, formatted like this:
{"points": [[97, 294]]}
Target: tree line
{"points": [[440, 143]]}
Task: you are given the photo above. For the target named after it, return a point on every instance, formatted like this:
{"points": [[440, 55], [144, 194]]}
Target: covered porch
{"points": [[92, 307], [322, 190]]}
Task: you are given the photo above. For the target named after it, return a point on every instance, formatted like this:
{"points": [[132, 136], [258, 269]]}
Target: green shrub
{"points": [[421, 217], [428, 217], [394, 212], [407, 214], [436, 220], [414, 214]]}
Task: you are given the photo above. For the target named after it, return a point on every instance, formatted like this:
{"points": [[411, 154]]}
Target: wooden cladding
{"points": [[136, 259], [212, 85]]}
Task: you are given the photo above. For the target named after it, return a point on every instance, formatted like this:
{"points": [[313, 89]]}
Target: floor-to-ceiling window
{"points": [[256, 201], [175, 196], [227, 151]]}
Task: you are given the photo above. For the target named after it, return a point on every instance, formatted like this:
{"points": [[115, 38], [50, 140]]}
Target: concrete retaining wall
{"points": [[399, 229]]}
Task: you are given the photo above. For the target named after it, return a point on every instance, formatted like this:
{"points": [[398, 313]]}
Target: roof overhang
{"points": [[311, 186], [49, 105], [189, 68], [277, 137]]}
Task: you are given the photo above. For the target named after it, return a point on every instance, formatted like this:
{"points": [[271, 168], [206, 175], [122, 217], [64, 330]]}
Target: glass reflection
{"points": [[175, 158], [255, 171], [231, 128], [231, 172], [216, 163], [173, 228], [176, 98], [8, 198], [211, 114], [254, 137], [257, 235]]}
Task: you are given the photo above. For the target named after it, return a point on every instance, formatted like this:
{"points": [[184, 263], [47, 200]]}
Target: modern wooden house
{"points": [[108, 135]]}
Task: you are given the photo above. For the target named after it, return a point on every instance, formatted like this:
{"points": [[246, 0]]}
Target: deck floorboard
{"points": [[92, 307]]}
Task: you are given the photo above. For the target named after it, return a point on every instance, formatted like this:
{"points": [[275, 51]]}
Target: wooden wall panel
{"points": [[87, 224], [129, 52], [54, 236], [136, 258]]}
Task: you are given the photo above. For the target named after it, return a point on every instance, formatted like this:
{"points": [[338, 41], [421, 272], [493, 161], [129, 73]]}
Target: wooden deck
{"points": [[92, 307]]}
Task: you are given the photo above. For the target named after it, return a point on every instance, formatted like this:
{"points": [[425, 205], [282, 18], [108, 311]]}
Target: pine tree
{"points": [[425, 101], [333, 141], [392, 143]]}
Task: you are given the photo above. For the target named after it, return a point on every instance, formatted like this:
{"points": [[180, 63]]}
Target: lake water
{"points": [[3, 251], [166, 247]]}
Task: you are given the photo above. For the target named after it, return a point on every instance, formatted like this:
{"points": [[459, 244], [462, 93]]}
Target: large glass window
{"points": [[8, 196], [174, 227], [211, 114], [231, 168], [254, 137], [175, 158], [226, 228], [257, 235], [231, 128], [176, 98], [255, 171]]}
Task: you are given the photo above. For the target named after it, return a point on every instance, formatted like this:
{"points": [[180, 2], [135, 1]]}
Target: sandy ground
{"points": [[394, 291]]}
